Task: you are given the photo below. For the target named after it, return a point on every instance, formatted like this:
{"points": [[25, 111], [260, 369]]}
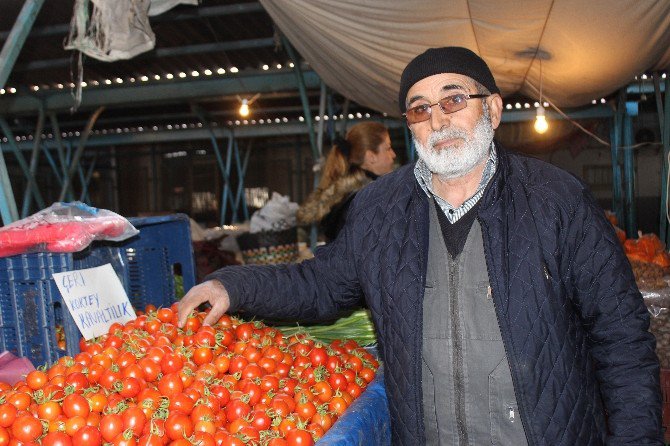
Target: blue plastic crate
{"points": [[30, 305], [366, 422], [146, 265]]}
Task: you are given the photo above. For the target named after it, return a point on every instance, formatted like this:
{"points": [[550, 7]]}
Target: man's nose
{"points": [[438, 119]]}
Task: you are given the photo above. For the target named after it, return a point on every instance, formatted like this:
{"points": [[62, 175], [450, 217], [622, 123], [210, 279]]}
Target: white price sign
{"points": [[96, 299]]}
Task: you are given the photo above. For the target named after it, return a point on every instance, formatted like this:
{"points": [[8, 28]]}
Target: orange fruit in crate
{"points": [[662, 259]]}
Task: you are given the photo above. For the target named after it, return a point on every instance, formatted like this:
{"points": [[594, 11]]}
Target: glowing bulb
{"points": [[244, 108], [541, 124]]}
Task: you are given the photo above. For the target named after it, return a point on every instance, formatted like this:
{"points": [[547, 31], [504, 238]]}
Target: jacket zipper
{"points": [[515, 381], [457, 361]]}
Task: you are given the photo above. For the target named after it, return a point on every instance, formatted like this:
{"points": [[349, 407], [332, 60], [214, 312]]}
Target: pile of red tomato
{"points": [[150, 383]]}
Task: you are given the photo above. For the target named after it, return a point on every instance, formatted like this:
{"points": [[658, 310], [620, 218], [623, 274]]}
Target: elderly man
{"points": [[505, 308]]}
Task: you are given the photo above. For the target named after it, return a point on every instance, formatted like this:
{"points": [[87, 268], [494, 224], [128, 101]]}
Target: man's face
{"points": [[453, 144]]}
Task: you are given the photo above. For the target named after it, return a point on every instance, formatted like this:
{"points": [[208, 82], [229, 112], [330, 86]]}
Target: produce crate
{"points": [[31, 305], [366, 422]]}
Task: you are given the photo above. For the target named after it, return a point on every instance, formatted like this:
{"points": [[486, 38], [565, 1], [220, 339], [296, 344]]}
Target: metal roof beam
{"points": [[200, 134], [204, 48], [171, 16], [17, 36], [157, 93], [144, 120]]}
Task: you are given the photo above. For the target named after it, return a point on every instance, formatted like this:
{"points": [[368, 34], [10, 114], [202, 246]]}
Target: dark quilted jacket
{"points": [[573, 322]]}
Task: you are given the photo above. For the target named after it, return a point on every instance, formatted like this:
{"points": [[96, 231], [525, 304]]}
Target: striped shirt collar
{"points": [[424, 177]]}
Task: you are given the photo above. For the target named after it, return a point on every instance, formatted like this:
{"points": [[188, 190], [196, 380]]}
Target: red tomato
{"points": [[202, 355], [170, 384], [130, 387], [75, 405], [49, 410], [337, 381], [150, 368], [7, 414], [26, 428], [178, 426], [165, 315], [236, 409], [171, 363], [111, 425], [20, 400], [299, 437], [87, 436], [367, 374], [134, 419], [36, 379], [56, 439]]}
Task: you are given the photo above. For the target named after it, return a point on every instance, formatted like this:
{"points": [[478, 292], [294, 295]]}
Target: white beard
{"points": [[457, 161]]}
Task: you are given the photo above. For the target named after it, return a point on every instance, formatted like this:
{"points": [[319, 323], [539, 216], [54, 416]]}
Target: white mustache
{"points": [[446, 134]]}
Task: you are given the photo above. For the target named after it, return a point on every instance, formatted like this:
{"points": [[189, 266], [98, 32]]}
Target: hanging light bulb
{"points": [[541, 124], [244, 108], [245, 103]]}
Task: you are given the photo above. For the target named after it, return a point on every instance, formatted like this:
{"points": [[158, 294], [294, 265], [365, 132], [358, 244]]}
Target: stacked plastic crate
{"points": [[31, 306]]}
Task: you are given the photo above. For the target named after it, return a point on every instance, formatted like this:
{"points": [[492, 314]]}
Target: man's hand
{"points": [[211, 291]]}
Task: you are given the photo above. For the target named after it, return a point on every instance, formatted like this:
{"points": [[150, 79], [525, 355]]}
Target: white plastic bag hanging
{"points": [[110, 30], [277, 214]]}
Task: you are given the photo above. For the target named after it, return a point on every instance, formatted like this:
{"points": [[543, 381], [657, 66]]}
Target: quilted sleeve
{"points": [[315, 289], [617, 321]]}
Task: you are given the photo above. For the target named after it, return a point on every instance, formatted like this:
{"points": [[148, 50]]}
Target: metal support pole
{"points": [[87, 180], [331, 113], [52, 163], [322, 112], [240, 199], [22, 161], [8, 209], [226, 195], [617, 181], [629, 177], [665, 139], [345, 117], [303, 96], [665, 135], [82, 180], [34, 158], [55, 128], [227, 186], [77, 155], [300, 173], [68, 157], [17, 37]]}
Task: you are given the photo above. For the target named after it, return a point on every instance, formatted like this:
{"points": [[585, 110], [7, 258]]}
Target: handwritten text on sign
{"points": [[96, 299]]}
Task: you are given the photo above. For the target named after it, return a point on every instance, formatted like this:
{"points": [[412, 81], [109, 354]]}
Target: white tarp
{"points": [[592, 48]]}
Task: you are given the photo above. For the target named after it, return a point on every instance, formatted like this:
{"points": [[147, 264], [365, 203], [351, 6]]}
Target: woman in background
{"points": [[361, 157]]}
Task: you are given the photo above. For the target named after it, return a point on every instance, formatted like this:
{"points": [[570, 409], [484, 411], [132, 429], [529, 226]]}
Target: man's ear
{"points": [[495, 109]]}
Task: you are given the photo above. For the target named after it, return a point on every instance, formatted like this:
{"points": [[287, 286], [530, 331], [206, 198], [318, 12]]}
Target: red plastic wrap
{"points": [[63, 227]]}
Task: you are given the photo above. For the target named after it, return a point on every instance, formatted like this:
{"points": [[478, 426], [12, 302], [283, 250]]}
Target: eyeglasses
{"points": [[450, 104]]}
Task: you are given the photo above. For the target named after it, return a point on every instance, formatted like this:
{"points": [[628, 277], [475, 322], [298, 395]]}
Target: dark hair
{"points": [[347, 155]]}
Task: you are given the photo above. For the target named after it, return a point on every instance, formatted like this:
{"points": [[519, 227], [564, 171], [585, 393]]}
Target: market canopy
{"points": [[584, 49]]}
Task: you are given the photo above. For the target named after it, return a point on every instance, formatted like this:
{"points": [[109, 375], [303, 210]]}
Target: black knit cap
{"points": [[450, 59]]}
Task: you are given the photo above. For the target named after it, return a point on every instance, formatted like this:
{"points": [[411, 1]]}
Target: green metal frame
{"points": [[74, 164], [17, 37]]}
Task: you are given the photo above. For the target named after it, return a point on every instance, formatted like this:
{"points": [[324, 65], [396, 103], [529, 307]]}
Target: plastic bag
{"points": [[277, 215], [658, 305], [13, 369], [63, 227]]}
